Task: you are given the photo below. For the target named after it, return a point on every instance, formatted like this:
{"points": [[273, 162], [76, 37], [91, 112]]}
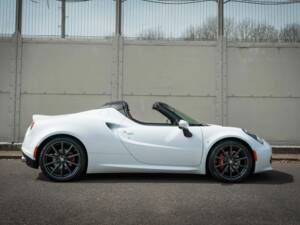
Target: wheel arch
{"points": [[229, 139], [62, 135]]}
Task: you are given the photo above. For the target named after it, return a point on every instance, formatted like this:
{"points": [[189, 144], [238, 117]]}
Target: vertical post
{"points": [[220, 18], [221, 78], [118, 17], [18, 25], [63, 18], [16, 76], [117, 57]]}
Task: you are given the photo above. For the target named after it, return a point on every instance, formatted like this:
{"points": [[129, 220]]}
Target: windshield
{"points": [[182, 115]]}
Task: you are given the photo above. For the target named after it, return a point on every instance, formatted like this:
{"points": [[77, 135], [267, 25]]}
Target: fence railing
{"points": [[244, 20]]}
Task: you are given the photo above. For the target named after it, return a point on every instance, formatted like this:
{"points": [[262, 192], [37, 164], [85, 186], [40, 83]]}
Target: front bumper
{"points": [[264, 157], [30, 162]]}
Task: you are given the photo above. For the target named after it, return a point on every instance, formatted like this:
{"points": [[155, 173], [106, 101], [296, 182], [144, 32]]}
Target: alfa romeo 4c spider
{"points": [[110, 140]]}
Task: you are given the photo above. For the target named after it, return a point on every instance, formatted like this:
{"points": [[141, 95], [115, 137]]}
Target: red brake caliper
{"points": [[221, 161]]}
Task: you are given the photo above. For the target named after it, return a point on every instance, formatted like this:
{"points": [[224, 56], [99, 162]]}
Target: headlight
{"points": [[254, 136]]}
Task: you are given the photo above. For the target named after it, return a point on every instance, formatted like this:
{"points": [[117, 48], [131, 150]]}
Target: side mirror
{"points": [[182, 124]]}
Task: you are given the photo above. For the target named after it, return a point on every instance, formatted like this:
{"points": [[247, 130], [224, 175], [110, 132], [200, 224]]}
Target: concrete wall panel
{"points": [[71, 68], [182, 70], [264, 71], [264, 94], [55, 105], [5, 118], [275, 119], [6, 61]]}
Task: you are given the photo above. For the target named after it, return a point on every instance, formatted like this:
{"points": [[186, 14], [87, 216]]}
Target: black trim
{"points": [[30, 162], [123, 108], [161, 107]]}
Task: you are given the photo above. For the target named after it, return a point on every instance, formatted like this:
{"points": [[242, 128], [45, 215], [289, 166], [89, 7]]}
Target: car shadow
{"points": [[271, 177]]}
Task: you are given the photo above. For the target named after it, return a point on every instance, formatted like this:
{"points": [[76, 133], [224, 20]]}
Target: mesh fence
{"points": [[41, 18], [7, 17], [92, 18], [244, 20], [156, 20], [262, 20]]}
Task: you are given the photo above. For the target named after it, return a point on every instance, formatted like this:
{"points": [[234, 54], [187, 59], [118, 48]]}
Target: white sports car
{"points": [[110, 140]]}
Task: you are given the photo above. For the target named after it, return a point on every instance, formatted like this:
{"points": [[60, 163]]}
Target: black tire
{"points": [[63, 159], [230, 161]]}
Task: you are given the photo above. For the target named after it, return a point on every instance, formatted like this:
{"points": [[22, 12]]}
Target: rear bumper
{"points": [[29, 162]]}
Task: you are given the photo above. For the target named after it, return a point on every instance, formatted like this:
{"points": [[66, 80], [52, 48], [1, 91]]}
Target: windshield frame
{"points": [[177, 114]]}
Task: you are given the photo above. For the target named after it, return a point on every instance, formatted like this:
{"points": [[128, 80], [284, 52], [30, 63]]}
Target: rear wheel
{"points": [[230, 161], [63, 159]]}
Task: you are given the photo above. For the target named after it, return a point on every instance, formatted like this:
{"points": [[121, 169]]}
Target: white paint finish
{"points": [[5, 117], [163, 145], [56, 104], [72, 68], [276, 119], [107, 154], [200, 108], [263, 71], [6, 62], [179, 70]]}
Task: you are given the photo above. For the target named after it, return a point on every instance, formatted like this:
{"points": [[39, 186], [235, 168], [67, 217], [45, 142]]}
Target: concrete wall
{"points": [[182, 75], [6, 89], [260, 83], [264, 91]]}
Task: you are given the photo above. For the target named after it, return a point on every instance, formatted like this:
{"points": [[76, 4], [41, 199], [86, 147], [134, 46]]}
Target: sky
{"points": [[97, 17]]}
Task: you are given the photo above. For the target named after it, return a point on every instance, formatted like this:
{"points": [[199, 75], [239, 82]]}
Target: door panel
{"points": [[163, 145]]}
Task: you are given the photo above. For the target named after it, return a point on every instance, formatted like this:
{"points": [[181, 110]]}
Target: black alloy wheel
{"points": [[230, 161], [63, 159]]}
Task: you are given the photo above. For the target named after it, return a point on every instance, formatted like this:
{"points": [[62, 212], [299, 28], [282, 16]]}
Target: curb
{"points": [[10, 146]]}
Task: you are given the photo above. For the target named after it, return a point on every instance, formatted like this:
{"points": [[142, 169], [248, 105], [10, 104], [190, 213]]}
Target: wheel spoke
{"points": [[230, 171], [235, 169], [52, 146], [75, 164], [237, 152], [230, 151], [224, 170], [50, 155], [67, 151], [54, 169], [68, 168], [225, 164], [50, 163], [74, 155], [61, 169]]}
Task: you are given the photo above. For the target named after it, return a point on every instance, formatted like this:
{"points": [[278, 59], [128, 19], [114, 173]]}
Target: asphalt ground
{"points": [[27, 197]]}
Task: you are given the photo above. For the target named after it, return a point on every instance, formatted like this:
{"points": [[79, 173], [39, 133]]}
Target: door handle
{"points": [[128, 132]]}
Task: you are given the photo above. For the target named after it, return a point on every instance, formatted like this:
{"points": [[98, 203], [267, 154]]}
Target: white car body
{"points": [[115, 143]]}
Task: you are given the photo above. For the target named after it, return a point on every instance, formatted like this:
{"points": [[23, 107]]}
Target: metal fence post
{"points": [[221, 78], [117, 58], [16, 78], [63, 18]]}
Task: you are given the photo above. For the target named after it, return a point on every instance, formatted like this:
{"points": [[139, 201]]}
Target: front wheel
{"points": [[63, 159], [230, 161]]}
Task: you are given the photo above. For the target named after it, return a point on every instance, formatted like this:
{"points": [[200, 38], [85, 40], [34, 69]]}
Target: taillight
{"points": [[32, 125]]}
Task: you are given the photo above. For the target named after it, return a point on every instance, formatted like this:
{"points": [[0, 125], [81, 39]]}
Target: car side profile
{"points": [[110, 140]]}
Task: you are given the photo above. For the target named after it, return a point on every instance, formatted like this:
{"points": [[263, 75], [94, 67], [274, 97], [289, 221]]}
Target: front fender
{"points": [[214, 134]]}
